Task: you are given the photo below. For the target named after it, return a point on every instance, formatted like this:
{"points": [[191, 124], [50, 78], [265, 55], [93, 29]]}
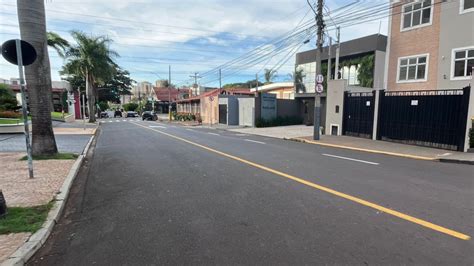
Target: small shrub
{"points": [[10, 114], [130, 106], [471, 138], [278, 121]]}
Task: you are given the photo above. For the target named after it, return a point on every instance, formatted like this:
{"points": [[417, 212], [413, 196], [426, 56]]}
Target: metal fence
{"points": [[358, 114], [435, 118]]}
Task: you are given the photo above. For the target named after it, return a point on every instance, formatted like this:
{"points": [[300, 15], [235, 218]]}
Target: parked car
{"points": [[131, 114], [104, 115], [148, 115], [117, 113]]}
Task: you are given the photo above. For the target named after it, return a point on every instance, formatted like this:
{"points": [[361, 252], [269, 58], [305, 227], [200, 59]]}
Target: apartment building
{"points": [[143, 90], [430, 45]]}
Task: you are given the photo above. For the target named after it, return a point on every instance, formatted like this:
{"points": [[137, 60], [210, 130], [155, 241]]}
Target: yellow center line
{"points": [[395, 213]]}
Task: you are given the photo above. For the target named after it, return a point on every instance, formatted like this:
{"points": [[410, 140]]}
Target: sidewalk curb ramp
{"points": [[36, 241]]}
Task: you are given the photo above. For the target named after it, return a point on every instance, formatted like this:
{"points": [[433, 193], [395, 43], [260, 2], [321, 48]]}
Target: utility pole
{"points": [[319, 43], [220, 79], [338, 36], [169, 93], [195, 76], [256, 83], [24, 107], [329, 59]]}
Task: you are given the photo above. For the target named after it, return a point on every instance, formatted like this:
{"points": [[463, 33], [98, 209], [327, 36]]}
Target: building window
{"points": [[466, 6], [309, 76], [351, 74], [413, 68], [463, 62], [416, 14]]}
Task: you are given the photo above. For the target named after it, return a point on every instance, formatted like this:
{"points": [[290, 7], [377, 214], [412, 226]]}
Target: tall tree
{"points": [[58, 43], [297, 78], [32, 21], [269, 75], [92, 59], [120, 84]]}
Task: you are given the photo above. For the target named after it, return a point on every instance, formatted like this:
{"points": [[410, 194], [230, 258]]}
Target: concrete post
{"points": [[376, 114], [470, 115]]}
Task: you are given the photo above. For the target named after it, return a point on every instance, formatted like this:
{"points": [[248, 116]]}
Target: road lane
{"points": [[303, 181], [152, 199], [419, 188]]}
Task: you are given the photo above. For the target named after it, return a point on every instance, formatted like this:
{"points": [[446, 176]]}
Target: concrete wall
{"points": [[335, 98], [470, 115], [287, 108], [307, 104], [268, 105], [209, 111], [247, 111], [456, 31], [379, 69], [232, 108]]}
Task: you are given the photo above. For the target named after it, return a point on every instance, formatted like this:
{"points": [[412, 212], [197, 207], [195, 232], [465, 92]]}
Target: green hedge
{"points": [[471, 138], [183, 116], [279, 121]]}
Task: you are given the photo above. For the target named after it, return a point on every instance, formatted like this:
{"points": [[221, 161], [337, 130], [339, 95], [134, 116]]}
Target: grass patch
{"points": [[57, 156], [58, 115], [4, 121], [29, 219]]}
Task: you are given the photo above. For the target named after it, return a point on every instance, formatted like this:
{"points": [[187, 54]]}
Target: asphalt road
{"points": [[153, 193]]}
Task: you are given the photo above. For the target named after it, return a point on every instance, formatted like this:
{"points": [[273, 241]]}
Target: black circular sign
{"points": [[28, 52]]}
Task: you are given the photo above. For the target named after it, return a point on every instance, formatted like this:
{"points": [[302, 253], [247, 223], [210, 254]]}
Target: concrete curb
{"points": [[458, 161], [364, 150], [36, 241]]}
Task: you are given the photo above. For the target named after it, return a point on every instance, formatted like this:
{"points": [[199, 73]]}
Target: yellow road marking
{"points": [[326, 189], [366, 150]]}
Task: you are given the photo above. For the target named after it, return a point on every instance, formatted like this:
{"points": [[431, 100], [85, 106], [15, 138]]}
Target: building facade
{"points": [[431, 45], [282, 90], [366, 54]]}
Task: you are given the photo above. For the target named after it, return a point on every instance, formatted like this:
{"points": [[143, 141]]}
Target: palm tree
{"points": [[91, 59], [270, 74], [58, 43], [297, 78], [32, 21]]}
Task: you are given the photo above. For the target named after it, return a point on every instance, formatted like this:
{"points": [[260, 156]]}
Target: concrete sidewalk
{"points": [[70, 137], [304, 133]]}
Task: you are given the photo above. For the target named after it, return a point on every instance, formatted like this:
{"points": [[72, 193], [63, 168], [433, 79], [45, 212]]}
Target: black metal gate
{"points": [[434, 118], [358, 114], [223, 114]]}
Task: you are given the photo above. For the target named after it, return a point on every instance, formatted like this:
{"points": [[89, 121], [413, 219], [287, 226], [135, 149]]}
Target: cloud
{"points": [[190, 35]]}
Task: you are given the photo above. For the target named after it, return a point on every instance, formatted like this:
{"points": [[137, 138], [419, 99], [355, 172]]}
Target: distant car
{"points": [[148, 115], [131, 114], [104, 115], [117, 113]]}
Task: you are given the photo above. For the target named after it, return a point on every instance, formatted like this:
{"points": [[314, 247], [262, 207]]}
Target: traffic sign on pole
{"points": [[319, 88], [319, 78]]}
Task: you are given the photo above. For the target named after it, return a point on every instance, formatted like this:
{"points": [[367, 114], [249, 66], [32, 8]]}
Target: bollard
{"points": [[3, 205]]}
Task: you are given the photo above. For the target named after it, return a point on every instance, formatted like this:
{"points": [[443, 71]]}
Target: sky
{"points": [[191, 36]]}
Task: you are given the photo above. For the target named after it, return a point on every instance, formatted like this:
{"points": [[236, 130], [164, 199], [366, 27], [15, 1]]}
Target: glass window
{"points": [[426, 16], [416, 14], [459, 68], [468, 4], [463, 63], [403, 73], [420, 74], [461, 54], [412, 69], [412, 72], [309, 75]]}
